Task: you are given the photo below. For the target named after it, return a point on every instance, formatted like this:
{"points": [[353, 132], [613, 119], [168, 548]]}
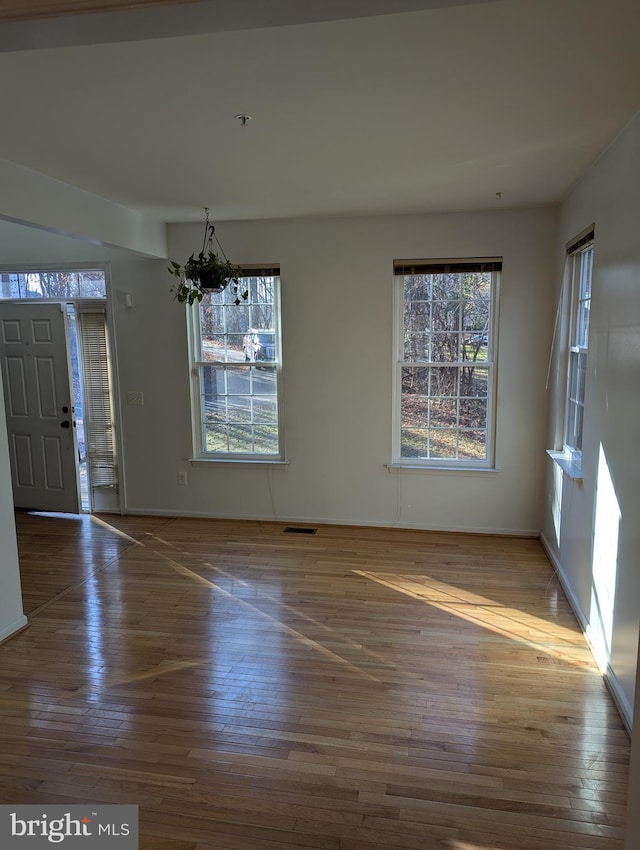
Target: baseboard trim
{"points": [[618, 696], [317, 520], [566, 586], [13, 628], [609, 676]]}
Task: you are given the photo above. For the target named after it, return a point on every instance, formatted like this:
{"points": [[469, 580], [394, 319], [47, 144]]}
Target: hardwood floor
{"points": [[358, 689]]}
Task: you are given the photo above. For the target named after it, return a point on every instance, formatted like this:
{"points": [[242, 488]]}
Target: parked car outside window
{"points": [[259, 344]]}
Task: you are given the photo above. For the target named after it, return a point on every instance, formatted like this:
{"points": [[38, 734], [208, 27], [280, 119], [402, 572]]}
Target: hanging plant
{"points": [[206, 271]]}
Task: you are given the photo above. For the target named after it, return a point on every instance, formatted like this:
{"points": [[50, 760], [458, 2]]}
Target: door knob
{"points": [[65, 424]]}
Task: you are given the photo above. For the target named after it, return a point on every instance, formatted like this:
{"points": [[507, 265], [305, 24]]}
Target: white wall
{"points": [[31, 197], [337, 340], [337, 300], [606, 507], [11, 614]]}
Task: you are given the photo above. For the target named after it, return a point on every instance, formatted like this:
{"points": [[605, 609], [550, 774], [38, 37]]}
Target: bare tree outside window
{"points": [[446, 365], [54, 284], [238, 357]]}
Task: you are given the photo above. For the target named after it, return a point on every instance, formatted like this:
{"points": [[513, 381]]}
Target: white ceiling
{"points": [[435, 109]]}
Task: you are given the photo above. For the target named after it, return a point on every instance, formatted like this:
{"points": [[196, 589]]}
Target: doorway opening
{"points": [[83, 388]]}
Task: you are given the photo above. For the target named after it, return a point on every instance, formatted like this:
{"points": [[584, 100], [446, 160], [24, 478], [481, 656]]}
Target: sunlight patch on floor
{"points": [[294, 633], [267, 597], [114, 530], [549, 638]]}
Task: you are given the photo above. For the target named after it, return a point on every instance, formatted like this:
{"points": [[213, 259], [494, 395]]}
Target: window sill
{"points": [[417, 467], [571, 466], [236, 461]]}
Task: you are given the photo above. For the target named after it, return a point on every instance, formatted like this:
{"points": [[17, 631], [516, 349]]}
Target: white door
{"points": [[39, 407]]}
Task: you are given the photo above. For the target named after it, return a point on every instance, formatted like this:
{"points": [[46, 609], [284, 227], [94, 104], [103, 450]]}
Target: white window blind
{"points": [[98, 410]]}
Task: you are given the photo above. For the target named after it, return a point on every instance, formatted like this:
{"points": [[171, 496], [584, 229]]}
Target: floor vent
{"points": [[295, 529]]}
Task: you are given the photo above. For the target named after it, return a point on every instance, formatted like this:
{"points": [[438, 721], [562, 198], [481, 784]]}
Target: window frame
{"points": [[576, 347], [196, 382], [21, 269], [402, 269]]}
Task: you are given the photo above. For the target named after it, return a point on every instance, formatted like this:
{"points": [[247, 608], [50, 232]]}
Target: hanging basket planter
{"points": [[210, 281], [206, 272]]}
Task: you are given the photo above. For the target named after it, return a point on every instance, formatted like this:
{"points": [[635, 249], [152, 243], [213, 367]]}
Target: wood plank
{"points": [[360, 689]]}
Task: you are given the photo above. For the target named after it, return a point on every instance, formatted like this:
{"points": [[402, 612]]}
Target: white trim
{"points": [[112, 348], [194, 343], [239, 461], [622, 703], [575, 260], [407, 466], [566, 585], [569, 462], [608, 675], [104, 304], [532, 533], [491, 365], [12, 628]]}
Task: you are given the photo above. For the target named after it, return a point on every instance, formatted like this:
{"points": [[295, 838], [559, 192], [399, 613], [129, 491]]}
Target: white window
{"points": [[236, 371], [445, 369], [59, 284], [581, 267]]}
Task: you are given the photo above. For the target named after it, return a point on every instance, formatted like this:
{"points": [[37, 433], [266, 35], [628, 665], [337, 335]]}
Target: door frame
{"points": [[108, 302]]}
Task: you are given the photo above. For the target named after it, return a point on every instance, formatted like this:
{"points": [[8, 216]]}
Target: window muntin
{"points": [[445, 371], [237, 373], [581, 274], [58, 284]]}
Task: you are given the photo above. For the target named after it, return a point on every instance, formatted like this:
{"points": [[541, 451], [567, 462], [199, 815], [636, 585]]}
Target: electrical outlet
{"points": [[182, 479], [135, 398]]}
